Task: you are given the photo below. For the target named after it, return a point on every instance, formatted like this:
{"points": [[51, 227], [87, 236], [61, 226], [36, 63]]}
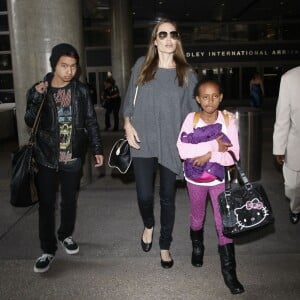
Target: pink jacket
{"points": [[187, 150]]}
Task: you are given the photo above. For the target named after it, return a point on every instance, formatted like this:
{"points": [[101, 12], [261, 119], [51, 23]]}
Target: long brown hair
{"points": [[151, 62]]}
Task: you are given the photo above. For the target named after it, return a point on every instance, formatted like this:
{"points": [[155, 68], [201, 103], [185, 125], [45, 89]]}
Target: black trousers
{"points": [[144, 170], [48, 181], [113, 107]]}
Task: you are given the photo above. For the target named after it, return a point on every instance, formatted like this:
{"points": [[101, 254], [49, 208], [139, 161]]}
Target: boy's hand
{"points": [[41, 87], [99, 160]]}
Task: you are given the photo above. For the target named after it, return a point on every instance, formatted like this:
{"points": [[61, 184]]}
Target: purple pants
{"points": [[197, 194]]}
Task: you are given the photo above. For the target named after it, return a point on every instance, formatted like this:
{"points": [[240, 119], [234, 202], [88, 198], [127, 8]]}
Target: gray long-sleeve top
{"points": [[160, 108]]}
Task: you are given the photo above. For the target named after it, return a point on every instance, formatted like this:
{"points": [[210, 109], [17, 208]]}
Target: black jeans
{"points": [[113, 107], [144, 169], [47, 181]]}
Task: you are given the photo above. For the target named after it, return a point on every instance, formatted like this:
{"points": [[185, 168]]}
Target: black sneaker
{"points": [[70, 245], [42, 264], [294, 218]]}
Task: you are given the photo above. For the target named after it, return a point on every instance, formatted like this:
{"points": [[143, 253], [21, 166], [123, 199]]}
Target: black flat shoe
{"points": [[294, 218], [146, 246], [166, 264]]}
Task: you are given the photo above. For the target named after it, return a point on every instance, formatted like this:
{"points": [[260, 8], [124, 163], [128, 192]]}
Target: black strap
{"points": [[240, 172], [227, 179], [36, 122]]}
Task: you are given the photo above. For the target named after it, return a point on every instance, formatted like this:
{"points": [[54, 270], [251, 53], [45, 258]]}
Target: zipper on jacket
{"points": [[57, 132]]}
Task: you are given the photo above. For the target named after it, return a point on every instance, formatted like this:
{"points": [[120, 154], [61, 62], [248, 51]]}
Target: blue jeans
{"points": [[144, 170], [47, 181]]}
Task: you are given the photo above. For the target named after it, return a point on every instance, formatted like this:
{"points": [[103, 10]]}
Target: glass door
{"points": [[96, 77]]}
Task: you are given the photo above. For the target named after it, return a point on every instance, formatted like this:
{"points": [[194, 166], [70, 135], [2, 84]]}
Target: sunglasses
{"points": [[173, 34]]}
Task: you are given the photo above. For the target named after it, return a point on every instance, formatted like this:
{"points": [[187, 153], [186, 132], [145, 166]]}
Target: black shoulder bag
{"points": [[23, 191], [120, 157], [244, 207]]}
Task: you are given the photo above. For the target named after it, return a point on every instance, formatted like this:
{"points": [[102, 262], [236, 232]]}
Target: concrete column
{"points": [[121, 42], [35, 27]]}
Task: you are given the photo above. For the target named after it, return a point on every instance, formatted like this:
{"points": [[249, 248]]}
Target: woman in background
{"points": [[256, 90]]}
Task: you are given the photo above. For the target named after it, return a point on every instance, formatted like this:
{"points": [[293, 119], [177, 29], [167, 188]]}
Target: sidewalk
{"points": [[111, 265]]}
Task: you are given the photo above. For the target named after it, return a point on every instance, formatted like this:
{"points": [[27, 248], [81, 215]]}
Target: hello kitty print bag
{"points": [[244, 207]]}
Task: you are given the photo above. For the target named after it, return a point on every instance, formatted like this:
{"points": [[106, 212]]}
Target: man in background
{"points": [[286, 138]]}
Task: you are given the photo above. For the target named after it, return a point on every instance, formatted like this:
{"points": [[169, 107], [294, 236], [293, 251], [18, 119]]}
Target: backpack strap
{"points": [[226, 115], [197, 116]]}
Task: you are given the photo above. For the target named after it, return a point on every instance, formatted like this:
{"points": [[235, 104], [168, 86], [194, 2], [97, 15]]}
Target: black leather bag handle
{"points": [[240, 172], [36, 122]]}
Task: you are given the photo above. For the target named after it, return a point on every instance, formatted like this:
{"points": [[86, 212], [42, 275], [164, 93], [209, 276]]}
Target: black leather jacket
{"points": [[85, 127]]}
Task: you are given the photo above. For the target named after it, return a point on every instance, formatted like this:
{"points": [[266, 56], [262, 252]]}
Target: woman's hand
{"points": [[41, 87], [223, 147], [201, 160], [131, 134]]}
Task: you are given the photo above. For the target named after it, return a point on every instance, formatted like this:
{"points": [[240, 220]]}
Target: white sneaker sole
{"points": [[71, 252], [39, 270]]}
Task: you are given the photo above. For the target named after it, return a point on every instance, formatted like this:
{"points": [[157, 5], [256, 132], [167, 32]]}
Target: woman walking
{"points": [[163, 83]]}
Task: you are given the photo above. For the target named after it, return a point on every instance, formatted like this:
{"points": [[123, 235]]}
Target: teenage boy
{"points": [[67, 121]]}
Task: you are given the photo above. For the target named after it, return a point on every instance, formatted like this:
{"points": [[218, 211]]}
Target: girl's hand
{"points": [[223, 147], [131, 135], [201, 160], [41, 87]]}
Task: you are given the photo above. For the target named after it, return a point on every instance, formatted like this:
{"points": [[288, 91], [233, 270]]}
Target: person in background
{"points": [[286, 138], [257, 91], [111, 102], [164, 84], [93, 92], [67, 121], [210, 156]]}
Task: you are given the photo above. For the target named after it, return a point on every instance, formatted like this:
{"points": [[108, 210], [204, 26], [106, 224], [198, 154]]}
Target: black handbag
{"points": [[23, 190], [244, 207], [119, 156]]}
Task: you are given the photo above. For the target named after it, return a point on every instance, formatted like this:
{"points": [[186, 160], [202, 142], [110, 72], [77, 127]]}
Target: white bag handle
{"points": [[134, 99]]}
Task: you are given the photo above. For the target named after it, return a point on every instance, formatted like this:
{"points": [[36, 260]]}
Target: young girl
{"points": [[203, 142]]}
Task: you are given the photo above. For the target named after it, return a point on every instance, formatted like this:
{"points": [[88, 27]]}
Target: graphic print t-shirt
{"points": [[62, 97]]}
